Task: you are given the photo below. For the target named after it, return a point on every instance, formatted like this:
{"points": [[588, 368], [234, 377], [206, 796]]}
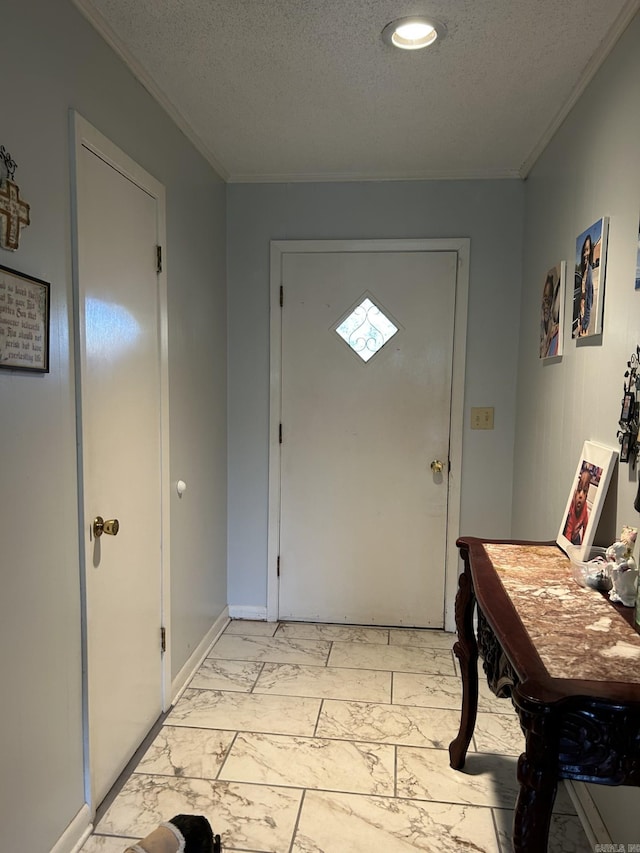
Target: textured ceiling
{"points": [[307, 90]]}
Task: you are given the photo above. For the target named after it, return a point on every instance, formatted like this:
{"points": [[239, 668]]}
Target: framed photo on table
{"points": [[586, 497], [24, 322]]}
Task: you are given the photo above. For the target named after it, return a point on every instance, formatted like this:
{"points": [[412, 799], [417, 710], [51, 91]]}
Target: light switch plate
{"points": [[482, 418]]}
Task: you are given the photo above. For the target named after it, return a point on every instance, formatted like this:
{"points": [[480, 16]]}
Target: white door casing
{"points": [[344, 273], [122, 385]]}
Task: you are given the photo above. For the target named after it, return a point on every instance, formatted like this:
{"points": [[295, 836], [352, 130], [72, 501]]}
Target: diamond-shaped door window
{"points": [[366, 329]]}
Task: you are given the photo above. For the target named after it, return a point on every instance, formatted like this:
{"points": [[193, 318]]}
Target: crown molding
{"points": [[107, 33], [621, 23], [348, 177]]}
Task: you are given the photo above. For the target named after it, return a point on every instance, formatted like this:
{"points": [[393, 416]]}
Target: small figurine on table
{"points": [[622, 568]]}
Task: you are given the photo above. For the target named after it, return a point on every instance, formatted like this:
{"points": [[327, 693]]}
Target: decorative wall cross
{"points": [[14, 215], [14, 211]]}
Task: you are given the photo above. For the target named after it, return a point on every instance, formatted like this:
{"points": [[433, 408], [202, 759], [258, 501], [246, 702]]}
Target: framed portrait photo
{"points": [[589, 276], [628, 407], [552, 312], [586, 498]]}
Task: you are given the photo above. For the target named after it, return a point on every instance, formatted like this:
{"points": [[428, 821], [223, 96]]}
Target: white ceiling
{"points": [[290, 90]]}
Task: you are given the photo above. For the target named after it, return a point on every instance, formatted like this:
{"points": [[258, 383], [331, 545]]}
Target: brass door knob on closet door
{"points": [[101, 526], [437, 466]]}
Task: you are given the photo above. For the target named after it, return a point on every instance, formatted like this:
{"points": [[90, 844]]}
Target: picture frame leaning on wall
{"points": [[586, 498]]}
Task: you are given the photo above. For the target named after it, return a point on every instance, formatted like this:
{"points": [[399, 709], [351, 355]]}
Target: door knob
{"points": [[101, 526], [437, 466]]}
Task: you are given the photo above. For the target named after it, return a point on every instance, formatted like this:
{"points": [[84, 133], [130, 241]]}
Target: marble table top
{"points": [[577, 633]]}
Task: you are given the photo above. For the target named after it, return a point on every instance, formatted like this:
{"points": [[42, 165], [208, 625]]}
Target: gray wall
{"points": [[52, 60], [490, 213], [590, 169]]}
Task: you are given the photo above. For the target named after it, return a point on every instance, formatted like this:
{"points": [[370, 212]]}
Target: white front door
{"points": [[119, 334], [363, 517]]}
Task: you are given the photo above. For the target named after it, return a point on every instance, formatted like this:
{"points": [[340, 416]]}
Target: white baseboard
{"points": [[592, 823], [179, 683], [76, 833], [258, 614]]}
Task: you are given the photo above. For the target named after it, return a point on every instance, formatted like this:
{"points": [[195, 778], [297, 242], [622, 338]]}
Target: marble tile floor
{"points": [[310, 738]]}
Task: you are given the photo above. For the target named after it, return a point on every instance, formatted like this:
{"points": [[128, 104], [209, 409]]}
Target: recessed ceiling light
{"points": [[412, 33]]}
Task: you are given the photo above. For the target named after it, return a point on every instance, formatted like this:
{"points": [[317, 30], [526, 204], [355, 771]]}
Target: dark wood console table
{"points": [[568, 659]]}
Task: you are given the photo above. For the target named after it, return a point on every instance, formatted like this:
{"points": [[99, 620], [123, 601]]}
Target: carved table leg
{"points": [[466, 650], [538, 778]]}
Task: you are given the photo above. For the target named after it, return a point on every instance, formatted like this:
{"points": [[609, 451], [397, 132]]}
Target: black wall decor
{"points": [[629, 417], [628, 423]]}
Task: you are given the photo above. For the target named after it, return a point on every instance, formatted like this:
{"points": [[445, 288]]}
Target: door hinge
{"points": [[158, 258], [281, 296], [280, 434], [278, 565], [163, 639]]}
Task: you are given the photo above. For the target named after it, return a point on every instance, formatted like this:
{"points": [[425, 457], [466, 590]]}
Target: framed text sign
{"points": [[24, 322]]}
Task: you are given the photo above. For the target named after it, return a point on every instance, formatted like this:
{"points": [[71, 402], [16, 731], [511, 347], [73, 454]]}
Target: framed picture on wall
{"points": [[638, 261], [24, 322], [628, 407], [586, 497], [552, 312], [589, 277]]}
